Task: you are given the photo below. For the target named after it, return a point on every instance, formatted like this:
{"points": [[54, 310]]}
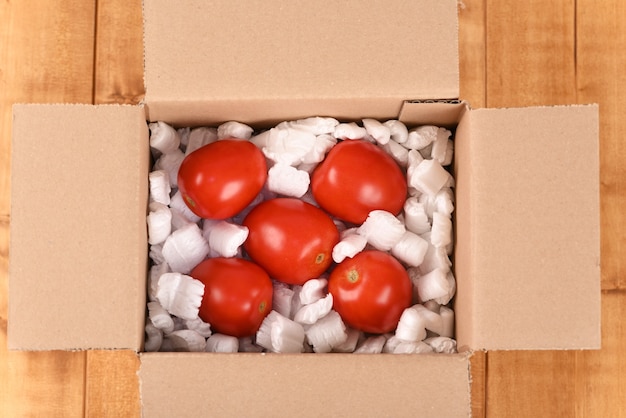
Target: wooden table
{"points": [[518, 53]]}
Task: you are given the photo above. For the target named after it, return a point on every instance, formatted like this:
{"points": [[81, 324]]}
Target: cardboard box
{"points": [[527, 203]]}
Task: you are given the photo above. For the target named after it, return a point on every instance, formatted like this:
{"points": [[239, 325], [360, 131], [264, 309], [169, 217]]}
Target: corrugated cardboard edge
{"points": [[77, 277], [308, 385]]}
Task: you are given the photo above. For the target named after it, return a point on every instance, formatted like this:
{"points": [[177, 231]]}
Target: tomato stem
{"points": [[353, 276], [320, 258]]}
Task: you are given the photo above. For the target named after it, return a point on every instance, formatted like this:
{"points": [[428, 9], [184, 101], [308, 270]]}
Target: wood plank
{"points": [[46, 55], [601, 38], [111, 384]]}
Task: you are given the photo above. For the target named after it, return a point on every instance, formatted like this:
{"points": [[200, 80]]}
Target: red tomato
{"points": [[237, 295], [220, 179], [370, 291], [291, 239], [357, 177]]}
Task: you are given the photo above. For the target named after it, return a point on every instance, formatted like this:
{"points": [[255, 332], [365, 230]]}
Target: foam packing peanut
{"points": [[351, 342], [351, 244], [427, 177], [440, 146], [313, 290], [159, 222], [436, 258], [432, 285], [397, 130], [442, 344], [442, 202], [186, 340], [421, 137], [163, 137], [411, 249], [411, 326], [377, 130], [200, 137], [407, 347], [153, 339], [397, 152], [160, 318], [447, 322], [280, 334], [288, 145], [153, 279], [185, 248], [233, 129], [170, 163], [179, 204], [372, 345], [441, 233], [382, 230], [156, 254], [179, 220], [323, 143], [444, 300], [415, 216], [326, 333], [282, 298], [246, 345], [199, 326], [160, 188], [180, 295], [316, 125], [349, 131], [286, 180], [220, 343], [311, 313], [225, 238]]}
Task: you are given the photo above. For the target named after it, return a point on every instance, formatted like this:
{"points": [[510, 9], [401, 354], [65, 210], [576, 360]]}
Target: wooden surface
{"points": [[512, 54]]}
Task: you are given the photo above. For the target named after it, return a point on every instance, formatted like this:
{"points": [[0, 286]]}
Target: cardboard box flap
{"points": [[78, 257], [203, 55], [311, 385], [528, 242]]}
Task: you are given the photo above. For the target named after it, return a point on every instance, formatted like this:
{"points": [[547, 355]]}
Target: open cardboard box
{"points": [[526, 219]]}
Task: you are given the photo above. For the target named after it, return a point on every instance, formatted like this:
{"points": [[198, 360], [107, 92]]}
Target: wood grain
{"points": [[49, 59]]}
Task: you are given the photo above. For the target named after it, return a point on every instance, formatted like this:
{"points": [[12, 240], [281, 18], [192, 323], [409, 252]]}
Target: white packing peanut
{"points": [[288, 145], [447, 322], [261, 139], [179, 204], [160, 318], [170, 163], [411, 249], [398, 130], [421, 137], [283, 296], [246, 345], [351, 244], [411, 347], [316, 125], [225, 238], [411, 326], [296, 304], [382, 230], [449, 153], [280, 334], [199, 326], [185, 248], [163, 137], [351, 342], [180, 295], [313, 290], [200, 137], [349, 131], [153, 279], [233, 129], [433, 285], [154, 338], [156, 254], [436, 258], [187, 340], [311, 313], [287, 180], [444, 300], [221, 343], [372, 345], [159, 222], [415, 217], [427, 177], [184, 133], [323, 143], [378, 131], [442, 344], [326, 333], [440, 145], [397, 152], [441, 233], [160, 188], [179, 220], [432, 320], [442, 202]]}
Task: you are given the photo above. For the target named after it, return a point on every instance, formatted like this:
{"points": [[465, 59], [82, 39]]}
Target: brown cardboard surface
{"points": [[238, 59], [527, 216], [309, 385], [78, 255]]}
